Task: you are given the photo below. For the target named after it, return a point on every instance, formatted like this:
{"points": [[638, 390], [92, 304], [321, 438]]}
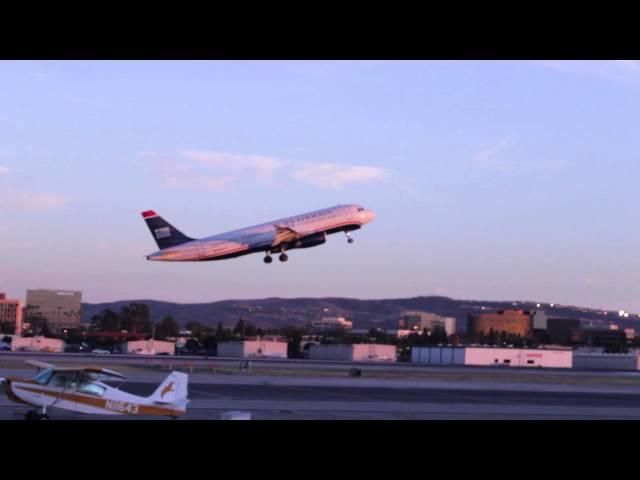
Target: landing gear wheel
{"points": [[44, 416], [31, 415], [268, 259], [350, 240], [283, 257]]}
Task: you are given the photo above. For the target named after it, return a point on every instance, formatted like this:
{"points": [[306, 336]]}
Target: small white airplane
{"points": [[82, 390], [301, 231]]}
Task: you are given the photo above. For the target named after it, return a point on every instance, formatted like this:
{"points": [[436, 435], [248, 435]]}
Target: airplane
{"points": [[301, 231], [82, 390]]}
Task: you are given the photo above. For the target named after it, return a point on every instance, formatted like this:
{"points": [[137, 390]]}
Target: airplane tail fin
{"points": [[173, 390], [165, 234]]}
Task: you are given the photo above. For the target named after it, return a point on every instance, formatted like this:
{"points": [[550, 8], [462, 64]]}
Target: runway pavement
{"points": [[300, 398]]}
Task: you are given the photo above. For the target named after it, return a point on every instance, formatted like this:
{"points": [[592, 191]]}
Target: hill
{"points": [[277, 312]]}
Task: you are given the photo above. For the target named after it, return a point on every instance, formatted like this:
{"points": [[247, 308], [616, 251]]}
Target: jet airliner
{"points": [[300, 231]]}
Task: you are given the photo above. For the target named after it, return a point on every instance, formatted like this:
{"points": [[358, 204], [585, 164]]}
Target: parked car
{"points": [[99, 351]]}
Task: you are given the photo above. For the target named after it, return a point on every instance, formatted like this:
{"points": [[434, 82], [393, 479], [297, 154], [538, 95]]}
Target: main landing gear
{"points": [[349, 239], [283, 257], [34, 415]]}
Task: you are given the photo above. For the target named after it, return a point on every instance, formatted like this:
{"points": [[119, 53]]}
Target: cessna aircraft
{"points": [[302, 231], [81, 390]]}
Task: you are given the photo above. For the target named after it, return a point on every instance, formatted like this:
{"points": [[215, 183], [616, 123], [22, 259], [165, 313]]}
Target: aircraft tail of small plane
{"points": [[173, 390], [165, 234]]}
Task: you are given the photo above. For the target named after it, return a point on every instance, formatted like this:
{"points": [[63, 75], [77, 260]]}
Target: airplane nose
{"points": [[370, 216]]}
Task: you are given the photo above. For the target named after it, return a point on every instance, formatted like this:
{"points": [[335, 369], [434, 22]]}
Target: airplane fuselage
{"points": [[300, 231], [91, 398]]}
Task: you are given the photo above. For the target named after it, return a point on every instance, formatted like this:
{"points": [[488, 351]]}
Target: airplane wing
{"points": [[287, 234], [40, 365], [92, 370]]}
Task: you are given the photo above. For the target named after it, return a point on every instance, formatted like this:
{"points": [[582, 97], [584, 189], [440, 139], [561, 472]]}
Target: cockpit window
{"points": [[43, 377], [91, 389], [360, 209], [63, 380]]}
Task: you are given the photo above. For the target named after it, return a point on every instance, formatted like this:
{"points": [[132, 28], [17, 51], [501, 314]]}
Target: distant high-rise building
{"points": [[512, 322], [10, 315], [418, 321], [60, 308]]}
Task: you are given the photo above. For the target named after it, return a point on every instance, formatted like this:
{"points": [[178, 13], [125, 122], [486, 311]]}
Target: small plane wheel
{"points": [[31, 415], [350, 240], [43, 417], [283, 257], [268, 259]]}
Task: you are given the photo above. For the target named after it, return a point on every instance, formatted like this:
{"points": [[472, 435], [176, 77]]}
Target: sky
{"points": [[496, 180]]}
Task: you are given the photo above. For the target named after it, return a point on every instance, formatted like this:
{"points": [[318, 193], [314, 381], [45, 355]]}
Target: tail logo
{"points": [[167, 389], [162, 232]]}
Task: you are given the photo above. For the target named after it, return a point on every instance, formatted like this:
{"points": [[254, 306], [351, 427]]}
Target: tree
{"points": [[136, 318], [44, 331], [192, 345], [239, 328], [167, 327], [220, 330], [195, 328], [492, 337], [107, 321], [293, 344]]}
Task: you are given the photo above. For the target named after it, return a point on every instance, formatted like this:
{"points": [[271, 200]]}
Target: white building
{"points": [[418, 321], [512, 357], [331, 323], [362, 352], [253, 348], [149, 347], [37, 344]]}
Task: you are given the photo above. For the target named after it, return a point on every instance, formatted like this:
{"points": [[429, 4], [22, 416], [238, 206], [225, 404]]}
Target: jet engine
{"points": [[312, 240]]}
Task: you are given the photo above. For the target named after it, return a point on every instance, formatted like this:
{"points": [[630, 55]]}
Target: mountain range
{"points": [[383, 313]]}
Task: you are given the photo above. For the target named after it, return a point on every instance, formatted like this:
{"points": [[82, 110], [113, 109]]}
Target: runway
{"points": [[349, 399], [306, 390]]}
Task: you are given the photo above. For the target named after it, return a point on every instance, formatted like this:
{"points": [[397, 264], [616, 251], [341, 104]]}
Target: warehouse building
{"points": [[362, 352], [271, 348], [606, 361], [149, 347], [37, 344], [487, 356]]}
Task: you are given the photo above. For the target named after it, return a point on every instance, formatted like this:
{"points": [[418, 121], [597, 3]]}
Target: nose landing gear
{"points": [[349, 239]]}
